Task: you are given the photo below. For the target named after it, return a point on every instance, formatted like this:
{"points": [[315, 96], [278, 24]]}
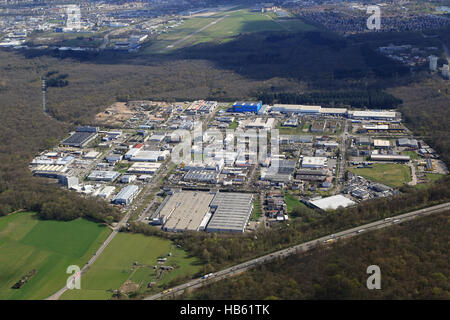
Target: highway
{"points": [[237, 269]]}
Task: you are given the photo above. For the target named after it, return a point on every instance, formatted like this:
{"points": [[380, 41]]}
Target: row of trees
{"points": [[372, 99]]}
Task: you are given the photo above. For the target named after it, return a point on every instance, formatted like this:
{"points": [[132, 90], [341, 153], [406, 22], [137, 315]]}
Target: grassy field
{"points": [[27, 243], [116, 265], [256, 210], [232, 24], [393, 175], [303, 128], [412, 154], [292, 202]]}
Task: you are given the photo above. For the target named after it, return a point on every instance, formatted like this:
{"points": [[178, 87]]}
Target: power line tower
{"points": [[44, 95]]}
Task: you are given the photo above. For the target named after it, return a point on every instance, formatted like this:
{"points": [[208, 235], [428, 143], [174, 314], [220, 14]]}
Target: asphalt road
{"points": [[232, 271]]}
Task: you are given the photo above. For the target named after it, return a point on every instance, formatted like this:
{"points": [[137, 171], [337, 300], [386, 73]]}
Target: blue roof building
{"points": [[247, 106]]}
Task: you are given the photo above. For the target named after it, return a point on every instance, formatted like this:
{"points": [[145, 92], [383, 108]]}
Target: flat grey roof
{"points": [[185, 210], [232, 213]]}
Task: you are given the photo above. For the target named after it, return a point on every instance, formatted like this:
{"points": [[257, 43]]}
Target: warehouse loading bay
{"points": [[327, 158]]}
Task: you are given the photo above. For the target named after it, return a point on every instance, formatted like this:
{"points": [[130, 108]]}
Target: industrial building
{"points": [[201, 107], [247, 106], [318, 175], [260, 123], [140, 155], [68, 181], [231, 212], [106, 192], [184, 211], [202, 176], [81, 137], [314, 162], [389, 157], [290, 139], [409, 143], [144, 168], [296, 108], [331, 203], [107, 176], [372, 115], [128, 178], [50, 171], [378, 143], [126, 195]]}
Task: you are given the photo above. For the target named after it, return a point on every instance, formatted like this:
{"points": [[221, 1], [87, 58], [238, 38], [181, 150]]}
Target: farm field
{"points": [[222, 27], [27, 243], [130, 258], [393, 175]]}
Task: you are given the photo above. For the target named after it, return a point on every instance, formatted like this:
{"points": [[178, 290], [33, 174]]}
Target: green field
{"points": [[116, 265], [27, 243], [232, 24], [303, 128], [412, 154], [292, 202], [393, 175]]}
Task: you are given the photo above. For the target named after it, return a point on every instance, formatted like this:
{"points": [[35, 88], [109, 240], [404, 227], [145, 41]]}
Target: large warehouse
{"points": [[107, 176], [372, 115], [332, 203], [126, 195], [247, 106], [144, 167], [185, 211], [296, 108], [79, 139], [231, 212], [314, 162]]}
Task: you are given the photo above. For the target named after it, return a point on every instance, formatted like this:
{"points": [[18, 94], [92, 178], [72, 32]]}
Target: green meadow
{"points": [[393, 175], [27, 243], [132, 257]]}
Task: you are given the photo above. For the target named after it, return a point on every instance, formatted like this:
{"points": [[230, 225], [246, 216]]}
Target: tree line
{"points": [[372, 99]]}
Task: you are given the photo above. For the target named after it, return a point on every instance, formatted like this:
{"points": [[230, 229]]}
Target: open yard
{"points": [[27, 243], [131, 258], [390, 174]]}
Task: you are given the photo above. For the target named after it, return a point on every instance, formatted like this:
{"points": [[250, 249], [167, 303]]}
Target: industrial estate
{"points": [[279, 147], [325, 158]]}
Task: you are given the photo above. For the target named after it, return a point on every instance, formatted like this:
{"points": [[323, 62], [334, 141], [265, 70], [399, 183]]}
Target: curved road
{"points": [[232, 271]]}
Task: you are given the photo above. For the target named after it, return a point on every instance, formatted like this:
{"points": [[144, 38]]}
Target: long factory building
{"points": [[352, 114], [208, 211]]}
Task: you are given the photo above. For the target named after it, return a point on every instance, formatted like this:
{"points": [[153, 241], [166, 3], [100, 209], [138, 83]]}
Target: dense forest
{"points": [[412, 256]]}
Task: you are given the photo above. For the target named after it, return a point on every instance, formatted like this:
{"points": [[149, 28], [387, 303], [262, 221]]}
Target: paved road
{"points": [[413, 181], [343, 162], [237, 269]]}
